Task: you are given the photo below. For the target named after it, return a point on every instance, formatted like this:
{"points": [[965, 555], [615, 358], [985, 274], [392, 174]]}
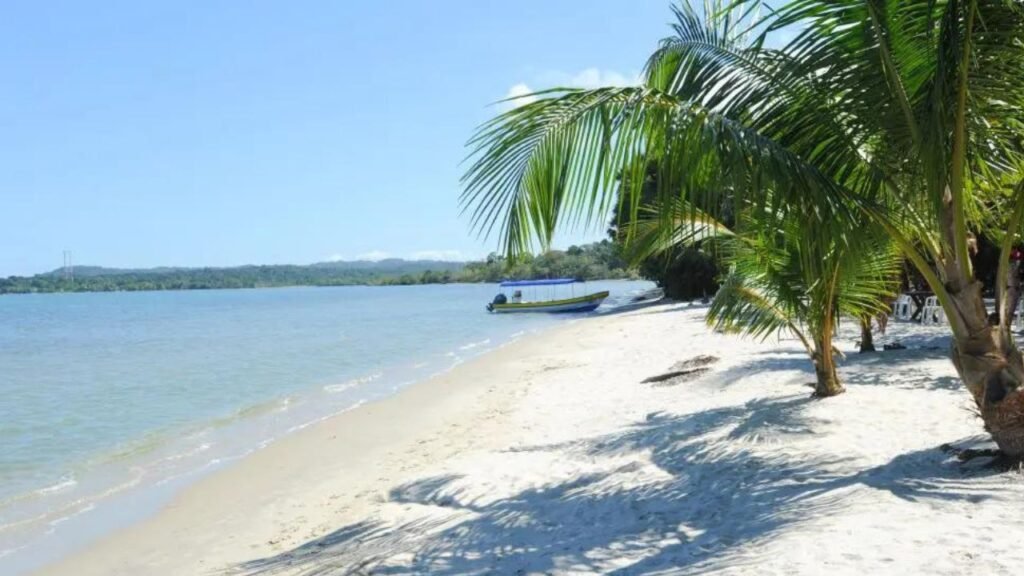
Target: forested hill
{"points": [[593, 261]]}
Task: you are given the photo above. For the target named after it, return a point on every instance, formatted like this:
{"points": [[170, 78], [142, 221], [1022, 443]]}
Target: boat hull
{"points": [[587, 303]]}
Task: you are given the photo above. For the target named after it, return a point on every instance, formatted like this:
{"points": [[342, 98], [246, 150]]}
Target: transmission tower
{"points": [[69, 266]]}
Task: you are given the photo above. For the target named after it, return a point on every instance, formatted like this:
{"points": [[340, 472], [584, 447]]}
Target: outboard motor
{"points": [[499, 299]]}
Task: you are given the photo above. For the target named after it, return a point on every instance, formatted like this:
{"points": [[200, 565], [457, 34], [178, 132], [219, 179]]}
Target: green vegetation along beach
{"points": [[597, 261]]}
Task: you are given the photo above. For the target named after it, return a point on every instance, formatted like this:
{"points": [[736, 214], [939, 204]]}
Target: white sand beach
{"points": [[550, 456]]}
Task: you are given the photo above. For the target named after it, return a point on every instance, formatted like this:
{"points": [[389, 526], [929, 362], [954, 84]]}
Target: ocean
{"points": [[112, 402]]}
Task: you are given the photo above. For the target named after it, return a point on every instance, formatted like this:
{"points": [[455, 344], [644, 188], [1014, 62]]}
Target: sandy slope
{"points": [[550, 456]]}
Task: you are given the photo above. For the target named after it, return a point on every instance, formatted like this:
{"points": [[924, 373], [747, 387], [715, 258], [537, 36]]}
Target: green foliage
{"points": [[675, 259], [866, 109], [590, 262], [723, 126], [683, 273], [907, 112], [771, 288]]}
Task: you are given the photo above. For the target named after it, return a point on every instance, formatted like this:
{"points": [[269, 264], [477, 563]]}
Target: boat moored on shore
{"points": [[504, 303]]}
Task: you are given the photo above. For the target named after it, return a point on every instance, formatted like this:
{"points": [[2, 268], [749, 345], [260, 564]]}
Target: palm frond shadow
{"points": [[677, 307], [915, 337], [764, 363], [895, 368], [711, 495], [659, 305], [900, 369]]}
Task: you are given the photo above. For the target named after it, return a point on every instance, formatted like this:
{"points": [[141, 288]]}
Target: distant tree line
{"points": [[600, 260]]}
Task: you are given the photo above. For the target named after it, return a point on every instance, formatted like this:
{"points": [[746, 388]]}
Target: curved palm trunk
{"points": [[986, 356], [1013, 288], [991, 367], [822, 355], [827, 380], [867, 340]]}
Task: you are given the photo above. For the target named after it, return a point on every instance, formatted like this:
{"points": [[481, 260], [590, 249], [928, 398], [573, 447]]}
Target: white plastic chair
{"points": [[901, 309], [932, 313]]}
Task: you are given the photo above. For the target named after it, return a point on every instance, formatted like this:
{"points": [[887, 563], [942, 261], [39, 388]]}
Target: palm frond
{"points": [[556, 162], [662, 228], [744, 307]]}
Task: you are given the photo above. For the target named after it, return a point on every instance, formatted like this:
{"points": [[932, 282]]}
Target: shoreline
{"points": [[365, 426], [141, 474], [387, 281], [128, 501], [550, 455]]}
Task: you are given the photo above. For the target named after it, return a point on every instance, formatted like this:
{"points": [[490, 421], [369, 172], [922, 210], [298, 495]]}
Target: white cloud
{"points": [[595, 78], [335, 258], [521, 94], [589, 78], [374, 255], [445, 255]]}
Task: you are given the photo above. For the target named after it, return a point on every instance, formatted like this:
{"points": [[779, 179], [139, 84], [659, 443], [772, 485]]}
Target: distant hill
{"points": [[389, 265], [91, 271], [592, 261]]}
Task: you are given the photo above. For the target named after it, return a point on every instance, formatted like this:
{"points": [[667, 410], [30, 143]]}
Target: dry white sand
{"points": [[551, 456]]}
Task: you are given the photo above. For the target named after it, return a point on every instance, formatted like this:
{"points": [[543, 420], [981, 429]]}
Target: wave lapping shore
{"points": [[113, 403], [552, 455]]}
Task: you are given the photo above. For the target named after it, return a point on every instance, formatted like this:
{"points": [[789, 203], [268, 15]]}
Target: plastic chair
{"points": [[901, 309], [932, 313]]}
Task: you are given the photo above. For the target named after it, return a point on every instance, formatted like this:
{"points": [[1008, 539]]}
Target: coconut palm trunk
{"points": [[986, 356], [827, 382], [992, 369], [1013, 288], [867, 339], [989, 363]]}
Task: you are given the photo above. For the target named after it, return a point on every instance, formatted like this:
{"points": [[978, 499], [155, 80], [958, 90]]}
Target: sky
{"points": [[221, 133]]}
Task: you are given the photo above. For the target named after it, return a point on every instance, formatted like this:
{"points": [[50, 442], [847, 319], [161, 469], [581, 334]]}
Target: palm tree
{"points": [[907, 112], [775, 285], [778, 282]]}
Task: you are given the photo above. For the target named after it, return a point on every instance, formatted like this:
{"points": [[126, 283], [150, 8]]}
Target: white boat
{"points": [[503, 303]]}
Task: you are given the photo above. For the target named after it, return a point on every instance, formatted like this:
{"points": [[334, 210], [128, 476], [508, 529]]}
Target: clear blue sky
{"points": [[223, 133]]}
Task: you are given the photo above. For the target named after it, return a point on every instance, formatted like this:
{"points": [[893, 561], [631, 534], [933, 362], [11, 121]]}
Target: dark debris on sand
{"points": [[683, 371]]}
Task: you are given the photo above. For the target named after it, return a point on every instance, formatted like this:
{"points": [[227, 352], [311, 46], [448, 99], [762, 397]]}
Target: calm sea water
{"points": [[111, 402]]}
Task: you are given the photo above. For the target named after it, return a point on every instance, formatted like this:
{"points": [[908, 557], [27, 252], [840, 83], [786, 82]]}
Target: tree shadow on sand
{"points": [[895, 368], [666, 306], [760, 363], [681, 494], [898, 368]]}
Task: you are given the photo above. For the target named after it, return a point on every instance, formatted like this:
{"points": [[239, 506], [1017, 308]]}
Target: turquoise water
{"points": [[109, 402]]}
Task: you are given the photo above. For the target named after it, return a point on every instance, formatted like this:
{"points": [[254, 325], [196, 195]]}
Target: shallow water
{"points": [[110, 402]]}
